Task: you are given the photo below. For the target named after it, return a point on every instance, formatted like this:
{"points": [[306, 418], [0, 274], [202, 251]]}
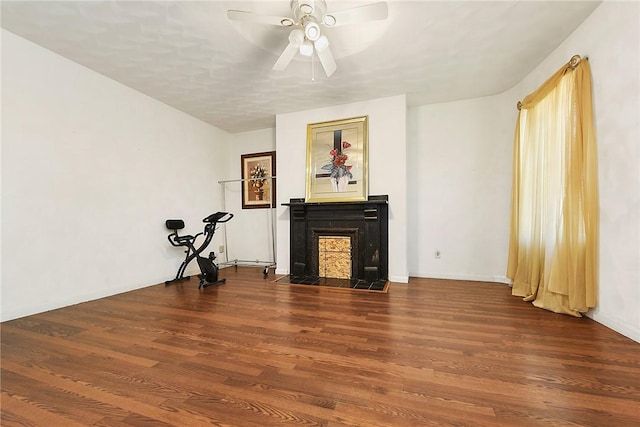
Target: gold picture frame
{"points": [[258, 180], [337, 161]]}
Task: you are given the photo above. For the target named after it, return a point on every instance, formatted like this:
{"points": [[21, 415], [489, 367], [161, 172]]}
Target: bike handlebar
{"points": [[217, 217], [187, 240]]}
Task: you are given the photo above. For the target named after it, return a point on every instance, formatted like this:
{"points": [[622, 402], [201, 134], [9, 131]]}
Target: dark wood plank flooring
{"points": [[255, 353]]}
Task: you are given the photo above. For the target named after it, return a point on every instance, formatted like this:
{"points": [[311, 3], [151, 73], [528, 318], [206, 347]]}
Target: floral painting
{"points": [[337, 161], [258, 180], [339, 171]]}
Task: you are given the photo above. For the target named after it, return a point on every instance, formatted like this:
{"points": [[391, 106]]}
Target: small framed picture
{"points": [[258, 180]]}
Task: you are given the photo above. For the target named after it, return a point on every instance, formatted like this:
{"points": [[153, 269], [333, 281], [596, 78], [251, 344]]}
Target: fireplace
{"points": [[343, 240]]}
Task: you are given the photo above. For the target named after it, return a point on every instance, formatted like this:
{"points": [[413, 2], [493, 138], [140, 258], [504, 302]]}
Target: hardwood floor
{"points": [[255, 353]]}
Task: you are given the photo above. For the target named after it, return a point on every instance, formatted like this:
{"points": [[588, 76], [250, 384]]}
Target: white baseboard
{"points": [[399, 279], [623, 329], [405, 279], [65, 301], [470, 277]]}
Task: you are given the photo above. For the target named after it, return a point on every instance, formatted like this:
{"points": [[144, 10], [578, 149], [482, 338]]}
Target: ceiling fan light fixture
{"points": [[306, 7], [296, 37], [287, 22], [306, 48], [312, 31], [329, 20]]}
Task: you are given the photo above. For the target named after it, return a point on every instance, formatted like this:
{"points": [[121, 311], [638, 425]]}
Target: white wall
{"points": [[387, 169], [610, 37], [459, 156], [89, 175], [250, 232], [90, 171], [459, 162]]}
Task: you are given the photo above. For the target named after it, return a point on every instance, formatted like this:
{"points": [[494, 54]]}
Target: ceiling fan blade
{"points": [[327, 61], [354, 15], [244, 16], [296, 38], [285, 57]]}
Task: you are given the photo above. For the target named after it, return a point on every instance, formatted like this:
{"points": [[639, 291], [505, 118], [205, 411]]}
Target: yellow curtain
{"points": [[553, 248]]}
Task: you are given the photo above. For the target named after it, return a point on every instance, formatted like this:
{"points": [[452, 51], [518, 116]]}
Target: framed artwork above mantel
{"points": [[337, 163], [258, 180]]}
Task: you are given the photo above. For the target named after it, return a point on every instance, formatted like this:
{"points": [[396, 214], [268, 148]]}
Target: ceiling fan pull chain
{"points": [[313, 70]]}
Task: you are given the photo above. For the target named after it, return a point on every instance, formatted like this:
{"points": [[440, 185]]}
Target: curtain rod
{"points": [[245, 179], [573, 63]]}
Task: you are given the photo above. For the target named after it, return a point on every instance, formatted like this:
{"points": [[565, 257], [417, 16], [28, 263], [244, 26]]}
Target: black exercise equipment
{"points": [[208, 269]]}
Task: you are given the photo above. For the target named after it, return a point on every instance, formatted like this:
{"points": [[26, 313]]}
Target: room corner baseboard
{"points": [[623, 329], [399, 279], [502, 279], [64, 301]]}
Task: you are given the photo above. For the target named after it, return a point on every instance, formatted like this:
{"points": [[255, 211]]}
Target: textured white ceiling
{"points": [[188, 55]]}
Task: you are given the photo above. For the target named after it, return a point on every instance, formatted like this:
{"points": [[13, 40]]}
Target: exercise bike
{"points": [[208, 269]]}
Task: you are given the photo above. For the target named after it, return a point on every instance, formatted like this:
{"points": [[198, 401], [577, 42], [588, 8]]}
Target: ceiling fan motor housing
{"points": [[312, 30]]}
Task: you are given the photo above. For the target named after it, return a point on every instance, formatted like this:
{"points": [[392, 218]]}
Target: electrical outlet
{"points": [[221, 249], [437, 254]]}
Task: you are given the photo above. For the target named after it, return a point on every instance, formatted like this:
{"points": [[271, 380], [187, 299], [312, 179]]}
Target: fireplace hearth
{"points": [[363, 224]]}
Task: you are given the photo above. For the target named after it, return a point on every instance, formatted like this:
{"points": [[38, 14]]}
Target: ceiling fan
{"points": [[306, 35]]}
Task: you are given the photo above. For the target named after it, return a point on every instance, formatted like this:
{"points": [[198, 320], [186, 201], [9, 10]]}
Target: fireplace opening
{"points": [[334, 257]]}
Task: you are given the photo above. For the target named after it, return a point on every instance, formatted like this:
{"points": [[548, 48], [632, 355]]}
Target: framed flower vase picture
{"points": [[337, 161], [258, 180]]}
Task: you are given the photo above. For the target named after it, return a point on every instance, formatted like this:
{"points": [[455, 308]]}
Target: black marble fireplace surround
{"points": [[366, 223]]}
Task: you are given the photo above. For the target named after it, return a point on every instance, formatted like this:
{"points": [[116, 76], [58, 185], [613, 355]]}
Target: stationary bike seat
{"points": [[175, 225], [183, 239]]}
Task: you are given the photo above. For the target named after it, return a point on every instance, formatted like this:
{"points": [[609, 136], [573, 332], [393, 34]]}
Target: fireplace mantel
{"points": [[366, 222]]}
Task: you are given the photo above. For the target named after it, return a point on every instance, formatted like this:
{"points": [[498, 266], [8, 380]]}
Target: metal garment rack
{"points": [[257, 262]]}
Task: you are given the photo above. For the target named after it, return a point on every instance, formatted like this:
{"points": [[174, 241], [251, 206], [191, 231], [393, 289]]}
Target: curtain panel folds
{"points": [[553, 248]]}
